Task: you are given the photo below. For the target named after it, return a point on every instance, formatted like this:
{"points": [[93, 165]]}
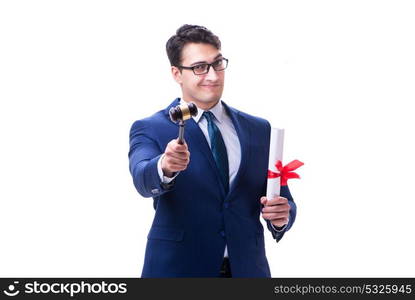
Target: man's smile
{"points": [[210, 86]]}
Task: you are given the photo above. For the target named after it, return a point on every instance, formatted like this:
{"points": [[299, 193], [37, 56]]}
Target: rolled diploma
{"points": [[275, 154]]}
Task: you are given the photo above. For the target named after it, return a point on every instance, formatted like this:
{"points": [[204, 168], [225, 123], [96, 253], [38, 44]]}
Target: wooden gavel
{"points": [[181, 113]]}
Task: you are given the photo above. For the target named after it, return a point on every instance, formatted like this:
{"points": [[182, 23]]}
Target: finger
{"points": [[276, 208], [175, 146], [277, 200], [279, 222], [275, 216], [171, 150], [179, 147], [263, 200], [177, 156], [177, 167], [177, 162], [169, 161]]}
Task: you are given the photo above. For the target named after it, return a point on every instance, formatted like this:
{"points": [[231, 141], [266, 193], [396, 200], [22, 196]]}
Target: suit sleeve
{"points": [[143, 158]]}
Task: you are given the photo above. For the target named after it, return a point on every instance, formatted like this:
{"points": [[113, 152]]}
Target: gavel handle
{"points": [[181, 133]]}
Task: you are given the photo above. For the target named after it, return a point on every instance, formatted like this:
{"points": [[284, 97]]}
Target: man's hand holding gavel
{"points": [[176, 158]]}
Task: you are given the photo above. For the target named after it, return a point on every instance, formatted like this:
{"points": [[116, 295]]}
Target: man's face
{"points": [[205, 90]]}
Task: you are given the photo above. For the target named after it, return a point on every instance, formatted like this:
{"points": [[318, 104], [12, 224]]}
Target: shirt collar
{"points": [[218, 111]]}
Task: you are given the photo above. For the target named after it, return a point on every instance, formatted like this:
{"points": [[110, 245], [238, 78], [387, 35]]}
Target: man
{"points": [[208, 192]]}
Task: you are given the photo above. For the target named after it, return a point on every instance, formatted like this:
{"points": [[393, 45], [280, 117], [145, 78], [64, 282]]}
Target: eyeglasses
{"points": [[200, 69]]}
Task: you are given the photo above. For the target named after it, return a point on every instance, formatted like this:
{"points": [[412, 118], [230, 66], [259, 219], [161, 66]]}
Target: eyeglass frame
{"points": [[208, 66]]}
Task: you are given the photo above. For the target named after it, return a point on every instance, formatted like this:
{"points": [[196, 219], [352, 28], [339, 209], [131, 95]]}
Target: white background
{"points": [[337, 75]]}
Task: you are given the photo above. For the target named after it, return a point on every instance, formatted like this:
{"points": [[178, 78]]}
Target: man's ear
{"points": [[177, 75]]}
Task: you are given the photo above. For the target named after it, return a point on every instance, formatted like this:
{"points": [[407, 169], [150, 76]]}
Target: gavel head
{"points": [[182, 112]]}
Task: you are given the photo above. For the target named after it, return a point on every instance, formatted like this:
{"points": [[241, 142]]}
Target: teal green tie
{"points": [[218, 148]]}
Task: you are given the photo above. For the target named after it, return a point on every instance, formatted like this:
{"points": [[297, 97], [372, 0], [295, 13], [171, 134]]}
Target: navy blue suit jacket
{"points": [[194, 218]]}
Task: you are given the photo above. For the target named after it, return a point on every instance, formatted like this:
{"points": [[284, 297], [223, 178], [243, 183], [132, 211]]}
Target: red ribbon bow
{"points": [[285, 172]]}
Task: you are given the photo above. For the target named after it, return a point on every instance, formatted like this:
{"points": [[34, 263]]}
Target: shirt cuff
{"points": [[279, 229], [164, 179]]}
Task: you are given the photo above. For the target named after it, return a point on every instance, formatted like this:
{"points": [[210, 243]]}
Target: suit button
{"points": [[226, 204], [222, 233]]}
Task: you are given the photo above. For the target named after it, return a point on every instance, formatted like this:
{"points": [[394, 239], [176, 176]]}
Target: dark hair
{"points": [[188, 34]]}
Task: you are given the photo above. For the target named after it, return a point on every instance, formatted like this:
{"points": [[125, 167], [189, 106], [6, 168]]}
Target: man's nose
{"points": [[211, 75]]}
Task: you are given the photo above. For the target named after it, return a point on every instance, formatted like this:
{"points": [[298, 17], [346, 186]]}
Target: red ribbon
{"points": [[285, 172]]}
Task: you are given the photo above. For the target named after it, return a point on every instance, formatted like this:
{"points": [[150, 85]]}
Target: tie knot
{"points": [[209, 116]]}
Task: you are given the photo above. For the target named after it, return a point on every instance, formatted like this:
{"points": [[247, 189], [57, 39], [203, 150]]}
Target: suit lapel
{"points": [[198, 140], [244, 135]]}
